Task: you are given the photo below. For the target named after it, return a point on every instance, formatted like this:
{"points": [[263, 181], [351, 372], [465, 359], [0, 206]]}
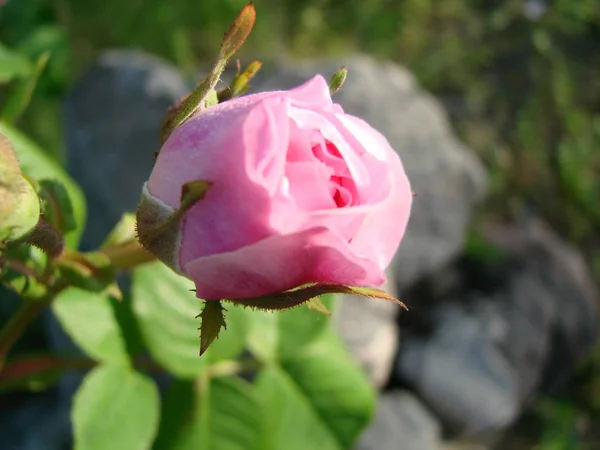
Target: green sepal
{"points": [[213, 319]]}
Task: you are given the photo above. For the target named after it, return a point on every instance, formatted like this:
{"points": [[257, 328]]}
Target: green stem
{"points": [[129, 255], [16, 325], [26, 313]]}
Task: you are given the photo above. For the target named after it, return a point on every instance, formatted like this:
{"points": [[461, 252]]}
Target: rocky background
{"points": [[501, 313]]}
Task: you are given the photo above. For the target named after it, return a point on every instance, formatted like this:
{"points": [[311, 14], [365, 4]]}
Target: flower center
{"points": [[341, 186]]}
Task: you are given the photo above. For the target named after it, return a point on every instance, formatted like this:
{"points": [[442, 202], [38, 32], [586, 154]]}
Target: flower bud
{"points": [[19, 203]]}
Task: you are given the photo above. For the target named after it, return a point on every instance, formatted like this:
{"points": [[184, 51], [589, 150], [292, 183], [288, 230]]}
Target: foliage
{"points": [[270, 381]]}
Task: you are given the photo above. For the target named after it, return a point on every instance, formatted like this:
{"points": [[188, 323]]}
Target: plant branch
{"points": [[128, 256], [17, 324], [26, 313]]}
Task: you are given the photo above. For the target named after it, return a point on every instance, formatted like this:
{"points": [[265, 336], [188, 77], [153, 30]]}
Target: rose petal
{"points": [[388, 218], [280, 263], [245, 167]]}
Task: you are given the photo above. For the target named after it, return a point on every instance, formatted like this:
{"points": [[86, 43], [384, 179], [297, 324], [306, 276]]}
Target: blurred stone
{"points": [[446, 176], [34, 421], [487, 352], [401, 423], [112, 120], [369, 330]]}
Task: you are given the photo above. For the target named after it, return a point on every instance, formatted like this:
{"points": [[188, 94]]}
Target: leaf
{"points": [[294, 297], [280, 335], [115, 408], [292, 423], [336, 386], [57, 208], [212, 322], [37, 165], [223, 414], [319, 399], [238, 32], [12, 65], [166, 310], [122, 233], [90, 320], [19, 99]]}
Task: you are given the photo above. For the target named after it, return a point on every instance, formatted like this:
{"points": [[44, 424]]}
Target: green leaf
{"points": [[223, 414], [12, 65], [238, 32], [115, 408], [37, 165], [166, 310], [57, 208], [19, 99], [213, 320], [122, 233], [295, 297], [292, 422], [281, 334], [319, 399], [90, 320], [336, 386]]}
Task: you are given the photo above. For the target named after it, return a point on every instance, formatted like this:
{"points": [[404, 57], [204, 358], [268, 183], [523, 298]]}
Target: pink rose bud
{"points": [[299, 192]]}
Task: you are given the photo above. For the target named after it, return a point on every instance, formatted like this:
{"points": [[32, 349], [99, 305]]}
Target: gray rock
{"points": [[401, 423], [369, 330], [492, 351], [447, 178], [37, 421], [112, 120]]}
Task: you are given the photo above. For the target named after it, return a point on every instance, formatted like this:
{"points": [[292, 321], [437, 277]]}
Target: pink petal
{"points": [[389, 217], [280, 263], [241, 150]]}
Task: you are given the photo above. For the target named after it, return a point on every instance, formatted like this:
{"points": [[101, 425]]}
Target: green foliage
{"points": [[116, 407], [218, 414], [90, 320]]}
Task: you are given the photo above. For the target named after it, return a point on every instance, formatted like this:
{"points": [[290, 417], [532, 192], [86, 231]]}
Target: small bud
{"points": [[19, 203], [47, 238], [337, 80], [239, 85]]}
